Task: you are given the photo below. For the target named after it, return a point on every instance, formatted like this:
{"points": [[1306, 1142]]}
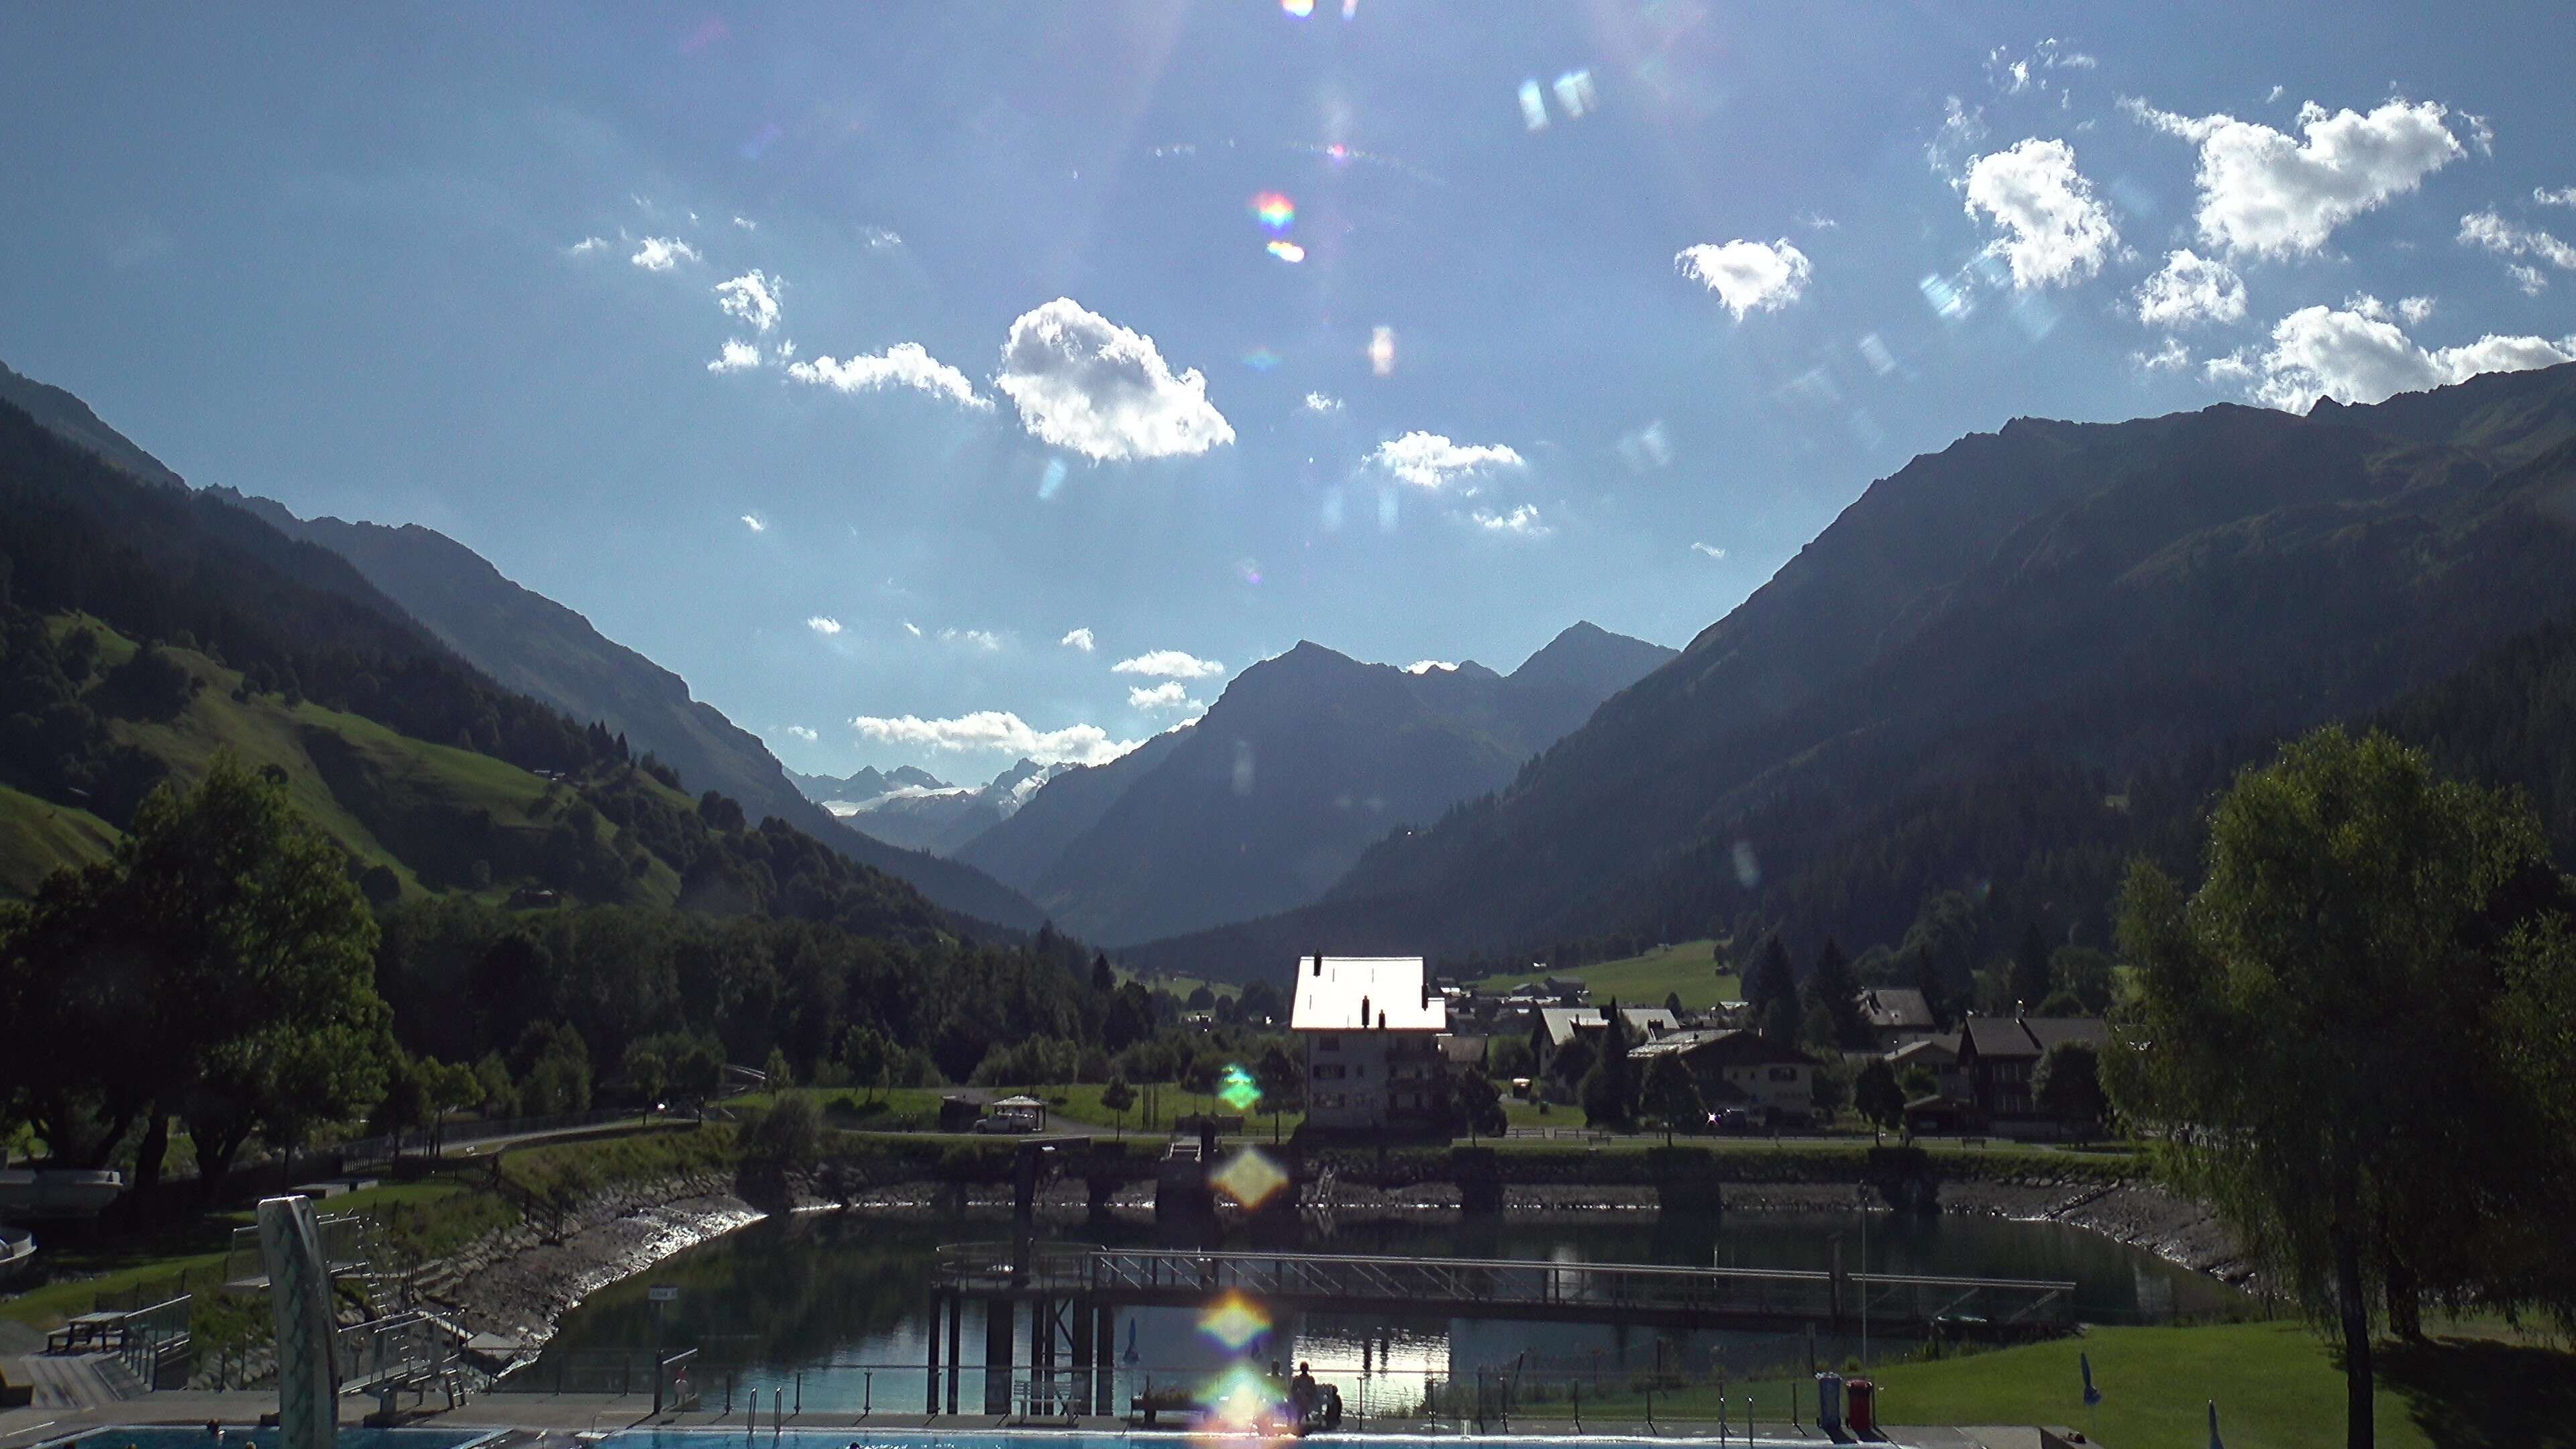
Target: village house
{"points": [[1895, 1015], [1372, 1036], [1739, 1068], [1991, 1084], [1553, 1027]]}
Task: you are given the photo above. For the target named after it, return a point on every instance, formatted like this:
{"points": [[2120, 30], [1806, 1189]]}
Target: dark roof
{"points": [[2012, 1037], [1895, 1008]]}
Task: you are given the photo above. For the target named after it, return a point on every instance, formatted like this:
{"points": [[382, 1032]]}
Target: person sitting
{"points": [[1332, 1408]]}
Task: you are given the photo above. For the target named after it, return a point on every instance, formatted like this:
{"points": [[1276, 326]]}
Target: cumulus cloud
{"points": [[2414, 309], [1428, 460], [1168, 664], [2191, 289], [1709, 549], [586, 246], [1748, 276], [2357, 355], [1318, 402], [2172, 357], [2504, 238], [1090, 386], [910, 627], [1079, 639], [753, 297], [2057, 230], [1962, 130], [755, 523], [2563, 196], [2529, 279], [906, 364], [802, 733], [1000, 732], [736, 356], [983, 639], [824, 625], [662, 253], [1522, 521], [2263, 193], [1425, 666], [746, 223], [1170, 694]]}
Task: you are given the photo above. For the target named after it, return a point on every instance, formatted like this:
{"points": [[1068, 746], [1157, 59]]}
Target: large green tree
{"points": [[1672, 1095], [1833, 999], [1609, 1090], [2316, 1026], [217, 966]]}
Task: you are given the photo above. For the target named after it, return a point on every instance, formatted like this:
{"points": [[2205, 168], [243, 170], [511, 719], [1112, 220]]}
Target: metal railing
{"points": [[1503, 1285]]}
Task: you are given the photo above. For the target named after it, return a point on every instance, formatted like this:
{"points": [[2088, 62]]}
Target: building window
{"points": [[1328, 1043]]}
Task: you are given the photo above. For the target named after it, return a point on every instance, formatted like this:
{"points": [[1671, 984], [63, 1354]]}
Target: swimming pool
{"points": [[1134, 1440], [177, 1436]]}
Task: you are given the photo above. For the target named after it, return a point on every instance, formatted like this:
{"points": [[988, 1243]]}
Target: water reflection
{"points": [[831, 1307]]}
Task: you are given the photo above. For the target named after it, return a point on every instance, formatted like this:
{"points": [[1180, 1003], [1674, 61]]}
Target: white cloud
{"points": [[662, 253], [1000, 732], [2172, 357], [1168, 664], [2531, 280], [910, 628], [2563, 196], [753, 297], [1425, 666], [2489, 230], [2059, 232], [2357, 355], [1088, 385], [1748, 276], [824, 625], [1317, 402], [586, 245], [1079, 639], [1963, 129], [983, 639], [879, 238], [906, 364], [802, 733], [746, 223], [1522, 521], [1710, 549], [1428, 460], [2414, 309], [2014, 75], [1170, 694], [737, 356], [2191, 289], [755, 523], [2263, 193]]}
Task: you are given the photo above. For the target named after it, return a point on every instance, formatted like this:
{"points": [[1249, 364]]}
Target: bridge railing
{"points": [[975, 1268]]}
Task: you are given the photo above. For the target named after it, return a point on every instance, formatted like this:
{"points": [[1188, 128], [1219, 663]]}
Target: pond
{"points": [[829, 1311]]}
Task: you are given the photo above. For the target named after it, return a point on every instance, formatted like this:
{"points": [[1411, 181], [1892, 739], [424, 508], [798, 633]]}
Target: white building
{"points": [[1372, 1036]]}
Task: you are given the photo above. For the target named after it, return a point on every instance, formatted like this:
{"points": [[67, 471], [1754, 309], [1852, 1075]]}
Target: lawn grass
{"points": [[567, 1171], [1687, 969], [38, 835]]}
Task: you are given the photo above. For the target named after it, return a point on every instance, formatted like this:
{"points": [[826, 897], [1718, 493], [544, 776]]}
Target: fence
{"points": [[394, 1144]]}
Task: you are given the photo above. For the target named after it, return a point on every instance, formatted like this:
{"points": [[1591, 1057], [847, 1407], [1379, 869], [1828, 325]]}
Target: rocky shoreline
{"points": [[516, 1284]]}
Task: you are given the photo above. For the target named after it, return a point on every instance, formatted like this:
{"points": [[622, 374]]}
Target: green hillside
{"points": [[424, 811]]}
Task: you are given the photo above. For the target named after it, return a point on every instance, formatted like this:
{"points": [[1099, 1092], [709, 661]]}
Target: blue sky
{"points": [[898, 373]]}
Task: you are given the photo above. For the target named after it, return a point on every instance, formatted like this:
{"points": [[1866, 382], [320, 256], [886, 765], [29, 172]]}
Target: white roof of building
{"points": [[1355, 993]]}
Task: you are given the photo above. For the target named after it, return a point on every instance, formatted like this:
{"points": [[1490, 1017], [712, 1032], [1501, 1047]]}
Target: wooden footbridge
{"points": [[1073, 1290]]}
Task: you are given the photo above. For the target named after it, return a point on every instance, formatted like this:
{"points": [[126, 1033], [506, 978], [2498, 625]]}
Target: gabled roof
{"points": [[1737, 1047], [1895, 1008], [1559, 1022], [1357, 993], [2027, 1038]]}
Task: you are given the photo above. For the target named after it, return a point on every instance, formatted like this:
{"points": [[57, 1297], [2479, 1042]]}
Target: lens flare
{"points": [[1381, 351], [1261, 359], [1234, 1320], [1287, 251], [1237, 1089], [1242, 1401], [1273, 210], [1298, 9], [1249, 1178]]}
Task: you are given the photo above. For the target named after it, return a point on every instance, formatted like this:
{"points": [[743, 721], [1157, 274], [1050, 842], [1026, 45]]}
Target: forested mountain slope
{"points": [[2069, 610]]}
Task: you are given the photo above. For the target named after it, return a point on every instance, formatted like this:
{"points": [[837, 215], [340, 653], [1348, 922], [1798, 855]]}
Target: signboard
{"points": [[662, 1292]]}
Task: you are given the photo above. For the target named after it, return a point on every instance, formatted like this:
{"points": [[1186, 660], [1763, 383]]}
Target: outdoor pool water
{"points": [[194, 1436], [1063, 1440]]}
